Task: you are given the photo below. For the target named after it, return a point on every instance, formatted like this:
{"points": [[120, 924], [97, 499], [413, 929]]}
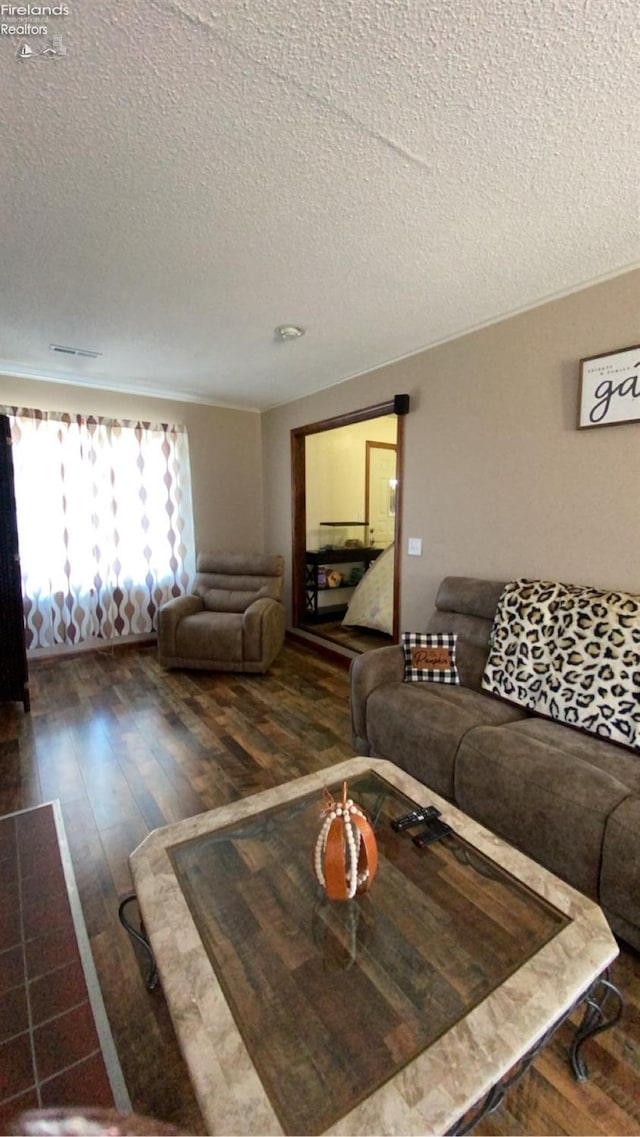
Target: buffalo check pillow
{"points": [[430, 657]]}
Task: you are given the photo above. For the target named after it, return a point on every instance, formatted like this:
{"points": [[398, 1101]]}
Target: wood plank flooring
{"points": [[127, 747], [352, 637]]}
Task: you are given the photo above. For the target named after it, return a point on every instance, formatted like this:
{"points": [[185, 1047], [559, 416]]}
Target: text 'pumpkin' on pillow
{"points": [[430, 657]]}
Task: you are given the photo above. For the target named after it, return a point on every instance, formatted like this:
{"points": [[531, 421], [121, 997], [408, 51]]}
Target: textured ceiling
{"points": [[387, 173]]}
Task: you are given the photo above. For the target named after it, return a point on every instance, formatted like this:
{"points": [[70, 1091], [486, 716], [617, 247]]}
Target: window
{"points": [[104, 521]]}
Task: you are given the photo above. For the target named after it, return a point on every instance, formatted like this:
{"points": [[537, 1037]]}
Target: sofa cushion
{"points": [[230, 582], [467, 606], [618, 761], [419, 726], [619, 892], [469, 596], [540, 792], [229, 599], [210, 636], [241, 564]]}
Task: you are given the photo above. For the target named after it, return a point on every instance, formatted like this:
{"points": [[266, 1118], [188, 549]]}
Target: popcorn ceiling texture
{"points": [[387, 174]]}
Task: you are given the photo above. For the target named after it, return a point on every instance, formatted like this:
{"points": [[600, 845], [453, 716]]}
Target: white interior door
{"points": [[381, 492]]}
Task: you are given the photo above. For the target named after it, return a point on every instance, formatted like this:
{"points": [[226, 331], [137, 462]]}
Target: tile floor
{"points": [[50, 1050]]}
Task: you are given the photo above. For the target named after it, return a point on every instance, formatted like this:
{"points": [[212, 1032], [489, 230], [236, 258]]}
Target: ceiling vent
{"points": [[74, 351]]}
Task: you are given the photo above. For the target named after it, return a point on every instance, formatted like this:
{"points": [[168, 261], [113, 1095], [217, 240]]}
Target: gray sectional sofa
{"points": [[568, 799]]}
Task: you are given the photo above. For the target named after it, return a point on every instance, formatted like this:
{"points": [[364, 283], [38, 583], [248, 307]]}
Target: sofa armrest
{"points": [[262, 631], [169, 617], [368, 671]]}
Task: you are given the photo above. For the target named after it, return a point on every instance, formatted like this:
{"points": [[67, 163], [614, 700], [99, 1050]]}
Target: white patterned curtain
{"points": [[105, 524]]}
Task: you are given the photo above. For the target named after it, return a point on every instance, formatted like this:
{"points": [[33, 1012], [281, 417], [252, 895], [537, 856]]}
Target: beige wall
{"points": [[224, 449], [498, 482]]}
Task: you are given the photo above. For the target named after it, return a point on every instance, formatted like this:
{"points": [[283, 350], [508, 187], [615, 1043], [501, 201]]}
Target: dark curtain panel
{"points": [[14, 679]]}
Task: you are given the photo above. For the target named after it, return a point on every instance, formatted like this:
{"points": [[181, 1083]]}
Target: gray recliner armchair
{"points": [[234, 620]]}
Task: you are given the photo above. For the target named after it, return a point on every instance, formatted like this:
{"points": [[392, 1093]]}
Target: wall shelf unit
{"points": [[316, 561]]}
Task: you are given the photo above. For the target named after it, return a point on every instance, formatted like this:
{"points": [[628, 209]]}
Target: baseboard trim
{"points": [[36, 656]]}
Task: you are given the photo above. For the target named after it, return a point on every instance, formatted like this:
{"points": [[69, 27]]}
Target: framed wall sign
{"points": [[610, 388]]}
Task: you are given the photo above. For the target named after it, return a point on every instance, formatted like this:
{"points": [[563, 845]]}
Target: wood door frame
{"points": [[299, 508]]}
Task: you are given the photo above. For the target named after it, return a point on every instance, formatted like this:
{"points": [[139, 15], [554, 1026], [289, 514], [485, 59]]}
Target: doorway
{"points": [[356, 547]]}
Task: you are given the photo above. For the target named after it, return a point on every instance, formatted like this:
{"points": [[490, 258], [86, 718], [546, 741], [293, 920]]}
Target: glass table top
{"points": [[333, 998]]}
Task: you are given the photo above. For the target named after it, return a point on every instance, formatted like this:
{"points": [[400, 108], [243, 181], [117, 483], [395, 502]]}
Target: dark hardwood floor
{"points": [[127, 747], [352, 637]]}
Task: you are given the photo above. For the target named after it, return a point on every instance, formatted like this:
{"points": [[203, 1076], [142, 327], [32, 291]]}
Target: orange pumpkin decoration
{"points": [[346, 855]]}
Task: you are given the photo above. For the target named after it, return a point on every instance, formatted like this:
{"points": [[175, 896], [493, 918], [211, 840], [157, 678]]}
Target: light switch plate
{"points": [[414, 546]]}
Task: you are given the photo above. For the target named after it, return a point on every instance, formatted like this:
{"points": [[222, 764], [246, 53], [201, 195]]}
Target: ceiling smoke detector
{"points": [[288, 332], [74, 351]]}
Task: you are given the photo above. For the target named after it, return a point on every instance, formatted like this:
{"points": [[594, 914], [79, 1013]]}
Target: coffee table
{"points": [[393, 1013]]}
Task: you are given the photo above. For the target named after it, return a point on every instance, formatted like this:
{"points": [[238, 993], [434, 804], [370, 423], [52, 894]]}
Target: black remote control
{"points": [[434, 831], [408, 820]]}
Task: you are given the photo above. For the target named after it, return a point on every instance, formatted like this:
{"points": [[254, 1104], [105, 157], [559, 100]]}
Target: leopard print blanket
{"points": [[571, 653]]}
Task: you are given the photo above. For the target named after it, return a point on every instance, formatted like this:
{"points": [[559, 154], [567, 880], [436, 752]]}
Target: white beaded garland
{"points": [[353, 843]]}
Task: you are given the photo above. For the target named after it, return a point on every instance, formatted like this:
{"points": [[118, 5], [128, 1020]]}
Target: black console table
{"points": [[327, 559]]}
